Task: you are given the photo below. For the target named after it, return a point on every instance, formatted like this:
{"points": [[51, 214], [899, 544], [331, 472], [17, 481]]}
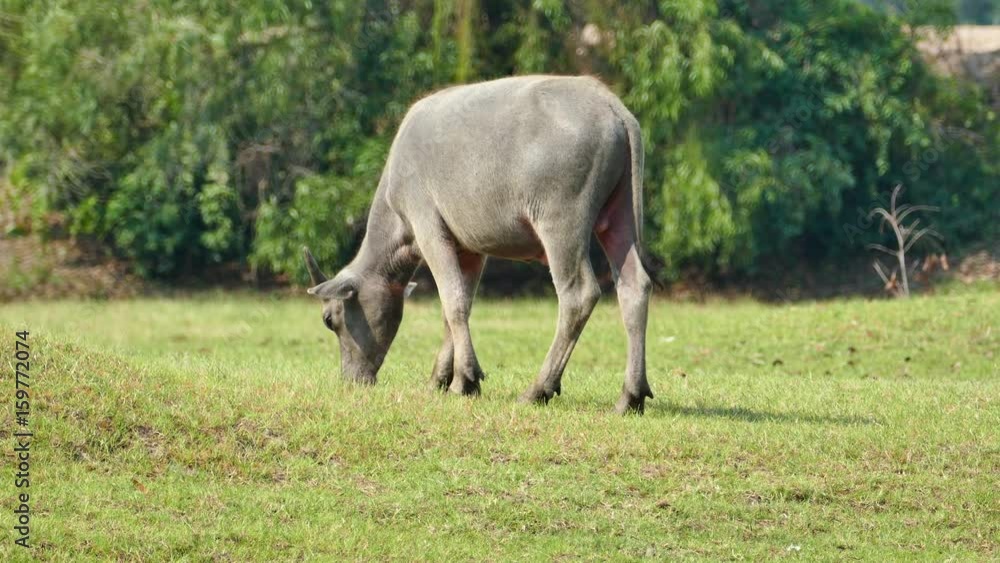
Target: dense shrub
{"points": [[196, 132]]}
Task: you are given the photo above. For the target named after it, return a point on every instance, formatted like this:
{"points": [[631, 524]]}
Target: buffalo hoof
{"points": [[441, 380], [630, 403], [539, 395], [465, 385], [363, 380]]}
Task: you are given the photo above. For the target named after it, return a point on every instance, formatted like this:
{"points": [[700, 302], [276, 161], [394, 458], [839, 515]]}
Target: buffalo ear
{"points": [[409, 289], [342, 287]]}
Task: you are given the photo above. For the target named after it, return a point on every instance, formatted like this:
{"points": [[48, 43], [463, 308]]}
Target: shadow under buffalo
{"points": [[658, 409]]}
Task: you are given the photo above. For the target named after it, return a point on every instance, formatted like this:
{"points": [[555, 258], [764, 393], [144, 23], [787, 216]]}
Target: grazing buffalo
{"points": [[523, 168]]}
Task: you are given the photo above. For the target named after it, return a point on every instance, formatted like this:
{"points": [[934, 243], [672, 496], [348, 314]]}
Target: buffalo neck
{"points": [[387, 250]]}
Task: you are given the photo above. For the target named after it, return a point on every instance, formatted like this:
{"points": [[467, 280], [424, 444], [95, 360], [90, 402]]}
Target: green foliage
{"points": [[694, 217], [982, 12], [325, 214], [191, 133]]}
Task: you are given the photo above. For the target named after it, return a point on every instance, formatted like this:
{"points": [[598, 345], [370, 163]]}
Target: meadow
{"points": [[215, 427]]}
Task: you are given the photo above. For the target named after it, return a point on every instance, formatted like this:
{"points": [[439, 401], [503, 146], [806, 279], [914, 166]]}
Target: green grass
{"points": [[216, 428]]}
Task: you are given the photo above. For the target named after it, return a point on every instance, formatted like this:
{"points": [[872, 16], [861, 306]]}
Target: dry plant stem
{"points": [[906, 237]]}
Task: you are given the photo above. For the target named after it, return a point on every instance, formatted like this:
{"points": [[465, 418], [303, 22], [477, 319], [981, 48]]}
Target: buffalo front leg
{"points": [[578, 292], [452, 269], [444, 365]]}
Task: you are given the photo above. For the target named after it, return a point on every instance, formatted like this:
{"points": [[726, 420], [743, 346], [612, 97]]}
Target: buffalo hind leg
{"points": [[578, 292], [444, 365], [633, 285]]}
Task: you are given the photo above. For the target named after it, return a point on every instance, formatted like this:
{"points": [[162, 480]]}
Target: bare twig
{"points": [[881, 272], [882, 249], [906, 237]]}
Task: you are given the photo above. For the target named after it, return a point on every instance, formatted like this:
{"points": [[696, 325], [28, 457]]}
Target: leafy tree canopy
{"points": [[191, 132]]}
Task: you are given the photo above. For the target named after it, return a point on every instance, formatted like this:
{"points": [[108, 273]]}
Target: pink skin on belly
{"points": [[614, 224]]}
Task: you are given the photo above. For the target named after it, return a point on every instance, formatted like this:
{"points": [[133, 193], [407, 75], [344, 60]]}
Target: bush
{"points": [[185, 134], [326, 214]]}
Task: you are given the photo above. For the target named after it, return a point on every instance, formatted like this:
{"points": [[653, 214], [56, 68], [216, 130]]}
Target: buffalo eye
{"points": [[328, 321]]}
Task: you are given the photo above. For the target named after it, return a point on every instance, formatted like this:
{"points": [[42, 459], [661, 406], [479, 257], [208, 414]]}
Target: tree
{"points": [[189, 133]]}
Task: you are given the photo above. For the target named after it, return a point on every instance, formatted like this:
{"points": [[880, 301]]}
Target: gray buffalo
{"points": [[522, 168]]}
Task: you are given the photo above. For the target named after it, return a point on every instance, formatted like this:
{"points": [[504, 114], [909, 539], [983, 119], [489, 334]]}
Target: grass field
{"points": [[216, 428]]}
